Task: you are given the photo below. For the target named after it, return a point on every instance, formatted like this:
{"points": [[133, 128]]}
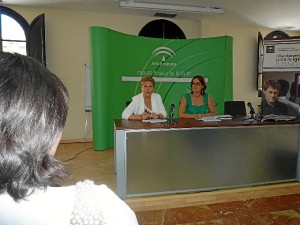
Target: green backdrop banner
{"points": [[118, 61]]}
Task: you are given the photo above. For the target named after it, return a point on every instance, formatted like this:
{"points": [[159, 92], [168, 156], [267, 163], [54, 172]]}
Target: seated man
{"points": [[293, 108], [270, 104], [294, 95]]}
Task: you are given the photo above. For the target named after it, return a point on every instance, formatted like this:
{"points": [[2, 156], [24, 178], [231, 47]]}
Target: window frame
{"points": [[18, 18]]}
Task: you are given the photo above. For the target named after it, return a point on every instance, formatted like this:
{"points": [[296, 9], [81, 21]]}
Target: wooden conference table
{"points": [[152, 159]]}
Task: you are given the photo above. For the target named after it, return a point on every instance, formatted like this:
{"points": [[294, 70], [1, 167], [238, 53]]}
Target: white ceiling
{"points": [[274, 14]]}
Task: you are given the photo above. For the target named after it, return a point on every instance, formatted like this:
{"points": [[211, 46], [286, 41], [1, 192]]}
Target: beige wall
{"points": [[244, 56], [67, 51]]}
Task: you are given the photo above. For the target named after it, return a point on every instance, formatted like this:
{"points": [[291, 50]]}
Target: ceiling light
{"points": [[168, 7], [165, 15], [284, 27]]}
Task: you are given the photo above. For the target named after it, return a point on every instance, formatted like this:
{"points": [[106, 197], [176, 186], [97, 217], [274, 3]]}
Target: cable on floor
{"points": [[77, 154]]}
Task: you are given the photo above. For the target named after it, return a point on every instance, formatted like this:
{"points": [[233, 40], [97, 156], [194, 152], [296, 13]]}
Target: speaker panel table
{"points": [[192, 155]]}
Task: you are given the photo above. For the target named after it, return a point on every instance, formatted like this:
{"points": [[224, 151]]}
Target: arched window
{"points": [[162, 28], [16, 35], [13, 29]]}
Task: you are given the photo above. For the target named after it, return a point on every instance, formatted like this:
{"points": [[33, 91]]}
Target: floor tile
{"points": [[281, 210]]}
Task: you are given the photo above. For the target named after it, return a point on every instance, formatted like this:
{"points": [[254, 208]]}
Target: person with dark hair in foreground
{"points": [[33, 109]]}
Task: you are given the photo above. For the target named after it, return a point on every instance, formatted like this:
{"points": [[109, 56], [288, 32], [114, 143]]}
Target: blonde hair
{"points": [[148, 78]]}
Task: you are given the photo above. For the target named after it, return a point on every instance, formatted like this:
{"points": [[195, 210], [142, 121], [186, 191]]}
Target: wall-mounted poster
{"points": [[281, 55], [281, 67]]}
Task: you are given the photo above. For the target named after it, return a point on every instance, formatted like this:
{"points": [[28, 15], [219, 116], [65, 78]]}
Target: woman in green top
{"points": [[197, 104]]}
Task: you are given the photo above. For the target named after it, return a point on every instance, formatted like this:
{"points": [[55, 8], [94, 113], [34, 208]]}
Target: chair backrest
{"points": [[127, 103], [235, 108]]}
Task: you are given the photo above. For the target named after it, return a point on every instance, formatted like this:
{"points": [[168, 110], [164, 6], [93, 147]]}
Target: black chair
{"points": [[127, 103], [235, 108]]}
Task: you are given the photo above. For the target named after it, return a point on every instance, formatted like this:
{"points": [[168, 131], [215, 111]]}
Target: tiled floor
{"points": [[281, 210]]}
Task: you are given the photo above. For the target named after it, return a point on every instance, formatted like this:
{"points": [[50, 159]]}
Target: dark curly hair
{"points": [[33, 109]]}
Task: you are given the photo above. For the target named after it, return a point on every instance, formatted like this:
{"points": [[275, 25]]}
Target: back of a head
{"points": [[33, 109], [284, 87], [293, 89]]}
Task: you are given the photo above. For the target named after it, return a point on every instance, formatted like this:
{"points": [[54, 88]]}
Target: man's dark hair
{"points": [[33, 109], [284, 87], [271, 83]]}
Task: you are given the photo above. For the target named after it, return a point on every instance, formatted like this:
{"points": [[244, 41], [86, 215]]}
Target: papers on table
{"points": [[278, 118], [216, 118], [210, 119], [224, 117], [154, 121], [205, 119]]}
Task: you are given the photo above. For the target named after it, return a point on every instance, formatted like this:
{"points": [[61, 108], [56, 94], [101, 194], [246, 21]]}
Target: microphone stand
{"points": [[171, 121], [252, 113]]}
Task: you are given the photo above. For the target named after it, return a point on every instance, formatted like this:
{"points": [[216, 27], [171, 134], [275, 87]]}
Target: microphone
{"points": [[171, 121], [171, 112], [252, 111]]}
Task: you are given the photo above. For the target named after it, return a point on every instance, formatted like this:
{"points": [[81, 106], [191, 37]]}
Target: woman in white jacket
{"points": [[146, 105]]}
